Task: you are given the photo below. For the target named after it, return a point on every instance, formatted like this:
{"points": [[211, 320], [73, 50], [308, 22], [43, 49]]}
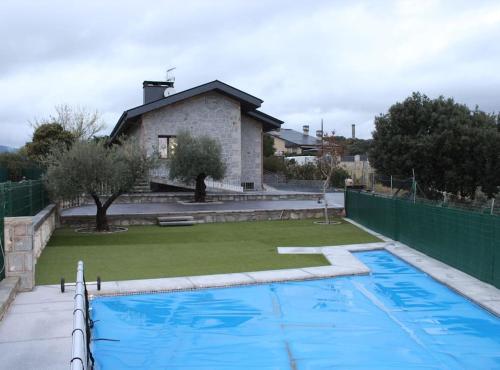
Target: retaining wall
{"points": [[204, 216], [25, 239], [219, 197]]}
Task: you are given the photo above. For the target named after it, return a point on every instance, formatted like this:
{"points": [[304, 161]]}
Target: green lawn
{"points": [[152, 251]]}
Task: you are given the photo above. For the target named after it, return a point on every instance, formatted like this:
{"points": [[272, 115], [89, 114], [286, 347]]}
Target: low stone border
{"points": [[92, 230], [343, 263], [8, 289]]}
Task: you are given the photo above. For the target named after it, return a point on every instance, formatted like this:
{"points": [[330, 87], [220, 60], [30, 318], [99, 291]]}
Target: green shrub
{"points": [[274, 164]]}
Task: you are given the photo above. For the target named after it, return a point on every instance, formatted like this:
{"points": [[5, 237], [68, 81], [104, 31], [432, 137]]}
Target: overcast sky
{"points": [[343, 61]]}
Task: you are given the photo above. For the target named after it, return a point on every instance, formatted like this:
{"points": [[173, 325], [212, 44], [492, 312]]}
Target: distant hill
{"points": [[4, 148]]}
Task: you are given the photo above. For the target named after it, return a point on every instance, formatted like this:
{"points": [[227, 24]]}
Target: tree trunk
{"points": [[325, 201], [101, 220], [200, 191]]}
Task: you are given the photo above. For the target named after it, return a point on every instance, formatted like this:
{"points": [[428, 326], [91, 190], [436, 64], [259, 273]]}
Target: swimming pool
{"points": [[397, 317]]}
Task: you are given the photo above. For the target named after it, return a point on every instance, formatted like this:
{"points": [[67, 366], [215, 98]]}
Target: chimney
{"points": [[319, 134], [305, 129], [154, 90], [353, 131]]}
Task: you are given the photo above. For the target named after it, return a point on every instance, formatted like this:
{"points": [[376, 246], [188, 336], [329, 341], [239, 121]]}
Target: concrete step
{"points": [[175, 218], [140, 190], [176, 223]]}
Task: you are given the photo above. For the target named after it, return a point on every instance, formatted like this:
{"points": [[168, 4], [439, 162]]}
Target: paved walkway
{"points": [[35, 334], [335, 200]]}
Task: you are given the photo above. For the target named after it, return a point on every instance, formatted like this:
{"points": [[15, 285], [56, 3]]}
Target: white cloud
{"points": [[341, 61]]}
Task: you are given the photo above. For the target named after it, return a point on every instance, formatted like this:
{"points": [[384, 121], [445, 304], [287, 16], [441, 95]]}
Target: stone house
{"points": [[229, 115], [359, 169], [288, 141]]}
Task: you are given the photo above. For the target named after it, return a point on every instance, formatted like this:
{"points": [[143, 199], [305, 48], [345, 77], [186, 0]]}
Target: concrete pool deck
{"points": [[36, 331]]}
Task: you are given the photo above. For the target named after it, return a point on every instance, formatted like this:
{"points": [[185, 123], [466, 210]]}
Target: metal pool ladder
{"points": [[81, 356]]}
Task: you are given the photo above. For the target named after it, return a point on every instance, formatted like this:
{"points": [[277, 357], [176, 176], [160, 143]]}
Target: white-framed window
{"points": [[166, 145]]}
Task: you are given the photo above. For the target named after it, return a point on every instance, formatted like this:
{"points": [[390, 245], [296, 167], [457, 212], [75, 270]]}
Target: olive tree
{"points": [[194, 159], [98, 169]]}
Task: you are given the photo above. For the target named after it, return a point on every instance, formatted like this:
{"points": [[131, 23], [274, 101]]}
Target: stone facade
{"points": [[279, 145], [210, 114], [251, 152], [215, 115], [25, 239]]}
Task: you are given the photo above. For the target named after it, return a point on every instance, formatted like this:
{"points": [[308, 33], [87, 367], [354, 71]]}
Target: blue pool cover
{"points": [[395, 318]]}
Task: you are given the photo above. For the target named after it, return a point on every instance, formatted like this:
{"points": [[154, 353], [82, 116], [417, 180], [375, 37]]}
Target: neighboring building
{"points": [[359, 169], [215, 109], [288, 141]]}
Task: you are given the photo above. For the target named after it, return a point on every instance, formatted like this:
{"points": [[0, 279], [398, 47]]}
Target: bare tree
{"points": [[81, 121], [328, 161]]}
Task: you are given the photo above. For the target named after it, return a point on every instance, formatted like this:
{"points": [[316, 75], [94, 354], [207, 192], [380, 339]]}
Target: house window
{"points": [[248, 185], [166, 145]]}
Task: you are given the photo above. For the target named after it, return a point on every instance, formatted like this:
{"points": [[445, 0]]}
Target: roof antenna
{"points": [[169, 79]]}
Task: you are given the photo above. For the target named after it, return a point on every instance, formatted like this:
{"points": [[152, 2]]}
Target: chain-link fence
{"points": [[408, 188], [25, 198]]}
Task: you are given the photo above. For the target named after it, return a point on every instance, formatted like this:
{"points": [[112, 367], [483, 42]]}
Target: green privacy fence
{"points": [[466, 240], [20, 173], [2, 249], [4, 174], [24, 198]]}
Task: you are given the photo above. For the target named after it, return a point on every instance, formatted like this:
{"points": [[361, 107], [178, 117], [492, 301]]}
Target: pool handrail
{"points": [[81, 357]]}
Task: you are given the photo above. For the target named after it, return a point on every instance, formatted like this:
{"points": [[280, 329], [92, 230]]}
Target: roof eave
{"points": [[118, 127], [269, 123]]}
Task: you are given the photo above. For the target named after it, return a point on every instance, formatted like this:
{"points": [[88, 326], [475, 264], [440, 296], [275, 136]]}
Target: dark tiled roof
{"points": [[296, 138], [249, 104]]}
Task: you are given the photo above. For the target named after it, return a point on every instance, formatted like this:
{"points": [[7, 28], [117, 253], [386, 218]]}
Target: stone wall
{"points": [[140, 198], [206, 216], [25, 239], [251, 151], [210, 114]]}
